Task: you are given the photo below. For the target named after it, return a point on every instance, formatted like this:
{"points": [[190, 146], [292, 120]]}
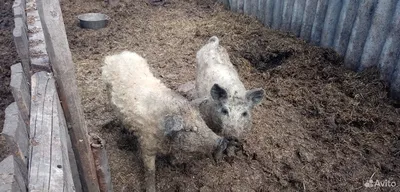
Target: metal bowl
{"points": [[93, 20]]}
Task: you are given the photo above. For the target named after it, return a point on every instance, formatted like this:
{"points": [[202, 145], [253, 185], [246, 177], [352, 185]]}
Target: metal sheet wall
{"points": [[365, 32]]}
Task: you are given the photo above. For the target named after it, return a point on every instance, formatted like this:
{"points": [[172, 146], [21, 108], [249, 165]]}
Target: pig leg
{"points": [[149, 172], [234, 145], [218, 153]]}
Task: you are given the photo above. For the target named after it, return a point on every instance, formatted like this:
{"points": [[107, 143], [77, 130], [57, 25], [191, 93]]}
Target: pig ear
{"points": [[218, 93], [255, 96], [173, 124]]}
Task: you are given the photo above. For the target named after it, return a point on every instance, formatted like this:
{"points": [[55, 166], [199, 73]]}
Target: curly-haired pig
{"points": [[163, 121], [224, 102]]}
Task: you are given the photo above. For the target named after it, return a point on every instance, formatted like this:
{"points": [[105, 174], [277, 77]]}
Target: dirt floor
{"points": [[321, 127], [8, 57]]}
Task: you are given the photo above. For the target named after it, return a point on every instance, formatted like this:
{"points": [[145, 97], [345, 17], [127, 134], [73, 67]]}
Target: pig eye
{"points": [[244, 114], [224, 111]]}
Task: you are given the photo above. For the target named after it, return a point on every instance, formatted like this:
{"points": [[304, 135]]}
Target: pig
{"points": [[164, 122], [223, 101]]}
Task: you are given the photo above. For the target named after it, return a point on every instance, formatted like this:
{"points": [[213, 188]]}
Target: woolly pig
{"points": [[225, 103], [163, 121]]}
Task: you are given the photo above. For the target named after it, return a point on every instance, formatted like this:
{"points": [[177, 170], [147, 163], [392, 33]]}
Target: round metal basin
{"points": [[93, 20]]}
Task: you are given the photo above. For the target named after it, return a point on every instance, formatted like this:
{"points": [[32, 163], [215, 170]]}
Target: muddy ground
{"points": [[8, 57], [321, 127]]}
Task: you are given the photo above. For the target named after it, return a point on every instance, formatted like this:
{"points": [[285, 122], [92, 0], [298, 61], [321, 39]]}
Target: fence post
{"points": [[63, 68]]}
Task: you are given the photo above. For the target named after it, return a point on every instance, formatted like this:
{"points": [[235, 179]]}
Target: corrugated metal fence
{"points": [[365, 32]]}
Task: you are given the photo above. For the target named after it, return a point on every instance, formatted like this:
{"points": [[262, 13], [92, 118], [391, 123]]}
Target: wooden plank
{"points": [[13, 175], [247, 7], [330, 23], [381, 24], [308, 19], [234, 5], [359, 34], [58, 167], [40, 132], [269, 10], [71, 171], [19, 9], [21, 91], [287, 15], [22, 44], [101, 161], [277, 14], [49, 168], [72, 162], [345, 25], [61, 62], [388, 57], [318, 23], [260, 10], [39, 59], [15, 133], [297, 17], [254, 8], [240, 6]]}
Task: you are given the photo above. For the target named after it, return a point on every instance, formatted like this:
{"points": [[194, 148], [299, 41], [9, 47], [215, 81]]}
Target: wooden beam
{"points": [[72, 161], [58, 115], [22, 44], [15, 133], [63, 68], [39, 59], [13, 175], [19, 9], [73, 176], [49, 167], [21, 91]]}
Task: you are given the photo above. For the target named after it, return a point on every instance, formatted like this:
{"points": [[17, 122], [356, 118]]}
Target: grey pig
{"points": [[163, 121], [224, 102]]}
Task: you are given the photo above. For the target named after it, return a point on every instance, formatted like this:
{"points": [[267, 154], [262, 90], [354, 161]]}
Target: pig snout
{"points": [[234, 145], [231, 132]]}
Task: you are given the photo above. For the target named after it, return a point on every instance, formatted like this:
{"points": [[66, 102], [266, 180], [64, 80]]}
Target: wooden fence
{"points": [[50, 145], [364, 32]]}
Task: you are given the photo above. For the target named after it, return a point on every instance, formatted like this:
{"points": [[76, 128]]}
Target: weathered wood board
{"points": [[15, 133], [61, 62], [74, 166], [49, 168], [39, 59], [19, 9], [22, 44], [13, 175], [21, 91]]}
